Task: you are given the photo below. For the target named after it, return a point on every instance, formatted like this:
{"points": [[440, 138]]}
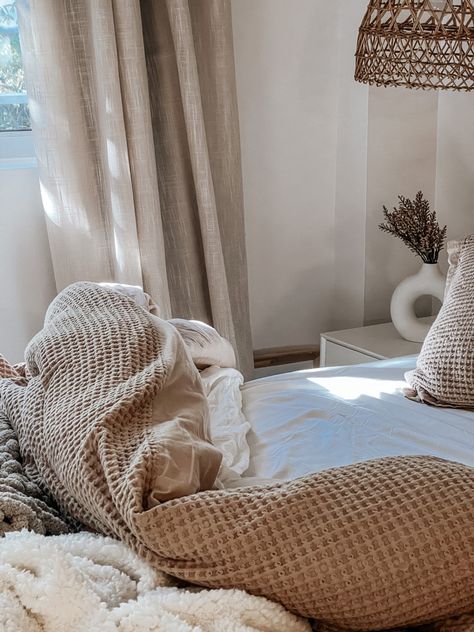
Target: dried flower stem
{"points": [[416, 226]]}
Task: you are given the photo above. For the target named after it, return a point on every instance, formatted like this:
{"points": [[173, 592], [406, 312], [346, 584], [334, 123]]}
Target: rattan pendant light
{"points": [[424, 44]]}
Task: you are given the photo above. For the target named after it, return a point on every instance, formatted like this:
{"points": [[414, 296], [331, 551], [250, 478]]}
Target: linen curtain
{"points": [[134, 113]]}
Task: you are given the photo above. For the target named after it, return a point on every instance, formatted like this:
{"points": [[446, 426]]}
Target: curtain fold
{"points": [[134, 113]]}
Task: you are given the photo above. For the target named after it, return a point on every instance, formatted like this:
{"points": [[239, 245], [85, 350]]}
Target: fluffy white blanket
{"points": [[83, 582]]}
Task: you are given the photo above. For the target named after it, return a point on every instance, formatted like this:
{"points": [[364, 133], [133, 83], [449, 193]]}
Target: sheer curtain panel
{"points": [[134, 112]]}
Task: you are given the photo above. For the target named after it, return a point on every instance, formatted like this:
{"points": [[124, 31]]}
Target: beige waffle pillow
{"points": [[444, 374]]}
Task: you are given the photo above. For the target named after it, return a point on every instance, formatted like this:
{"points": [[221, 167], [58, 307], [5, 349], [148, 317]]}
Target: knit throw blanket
{"points": [[22, 504], [113, 421]]}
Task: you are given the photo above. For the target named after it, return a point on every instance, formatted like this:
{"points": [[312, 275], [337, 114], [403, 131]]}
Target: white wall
{"points": [[26, 275], [288, 132], [455, 162], [321, 155], [401, 159], [347, 307]]}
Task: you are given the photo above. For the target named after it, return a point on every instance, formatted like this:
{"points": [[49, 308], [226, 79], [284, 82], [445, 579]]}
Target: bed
{"points": [[279, 428], [289, 425], [312, 420]]}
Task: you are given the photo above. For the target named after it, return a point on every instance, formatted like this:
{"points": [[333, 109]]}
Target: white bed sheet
{"points": [[228, 425], [308, 421]]}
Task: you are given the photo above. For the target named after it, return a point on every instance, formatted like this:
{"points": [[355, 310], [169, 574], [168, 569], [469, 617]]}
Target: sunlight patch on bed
{"points": [[347, 387]]}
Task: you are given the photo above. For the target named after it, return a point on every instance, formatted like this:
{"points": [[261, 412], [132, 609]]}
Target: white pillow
{"points": [[206, 346]]}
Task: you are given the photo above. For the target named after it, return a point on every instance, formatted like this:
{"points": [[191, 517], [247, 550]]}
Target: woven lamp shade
{"points": [[424, 44]]}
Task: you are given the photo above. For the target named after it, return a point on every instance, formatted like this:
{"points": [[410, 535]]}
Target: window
{"points": [[14, 115], [16, 144]]}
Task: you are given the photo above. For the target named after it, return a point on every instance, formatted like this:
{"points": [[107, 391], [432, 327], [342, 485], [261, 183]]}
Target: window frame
{"points": [[16, 146], [17, 150]]}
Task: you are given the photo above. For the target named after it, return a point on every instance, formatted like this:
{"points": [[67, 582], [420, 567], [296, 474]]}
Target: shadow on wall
{"points": [[292, 315]]}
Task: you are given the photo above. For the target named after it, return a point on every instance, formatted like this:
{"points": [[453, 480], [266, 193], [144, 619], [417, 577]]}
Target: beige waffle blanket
{"points": [[113, 411]]}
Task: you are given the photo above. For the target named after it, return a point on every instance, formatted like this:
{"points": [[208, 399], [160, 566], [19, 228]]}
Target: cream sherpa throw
{"points": [[114, 411], [86, 583]]}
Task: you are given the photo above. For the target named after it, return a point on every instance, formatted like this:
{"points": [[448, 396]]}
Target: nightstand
{"points": [[365, 344]]}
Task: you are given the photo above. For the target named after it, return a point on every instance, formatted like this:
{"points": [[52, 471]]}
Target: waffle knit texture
{"points": [[375, 545], [22, 504], [444, 373]]}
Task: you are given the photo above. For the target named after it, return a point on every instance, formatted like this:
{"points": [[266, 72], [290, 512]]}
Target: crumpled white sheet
{"points": [[84, 582], [228, 425]]}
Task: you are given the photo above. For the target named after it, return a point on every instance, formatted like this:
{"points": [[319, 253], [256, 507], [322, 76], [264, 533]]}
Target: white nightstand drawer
{"points": [[365, 344], [337, 355]]}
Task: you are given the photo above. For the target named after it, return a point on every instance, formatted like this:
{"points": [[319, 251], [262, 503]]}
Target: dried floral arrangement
{"points": [[416, 226]]}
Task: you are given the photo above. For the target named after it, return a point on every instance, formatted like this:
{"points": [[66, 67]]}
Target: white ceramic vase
{"points": [[428, 281]]}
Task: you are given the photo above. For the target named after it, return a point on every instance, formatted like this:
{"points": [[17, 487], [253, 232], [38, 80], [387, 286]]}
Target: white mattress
{"points": [[307, 421]]}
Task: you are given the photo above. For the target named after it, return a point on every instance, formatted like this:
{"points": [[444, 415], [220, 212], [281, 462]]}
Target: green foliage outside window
{"points": [[14, 113]]}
